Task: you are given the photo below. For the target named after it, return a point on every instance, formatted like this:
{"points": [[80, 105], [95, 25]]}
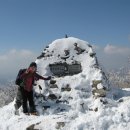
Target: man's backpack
{"points": [[18, 80]]}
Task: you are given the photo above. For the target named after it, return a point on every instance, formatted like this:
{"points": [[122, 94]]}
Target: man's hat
{"points": [[33, 64]]}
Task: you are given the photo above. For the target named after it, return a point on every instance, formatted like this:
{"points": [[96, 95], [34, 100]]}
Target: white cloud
{"points": [[13, 51], [95, 47], [3, 58], [113, 57], [13, 60], [26, 53], [111, 49]]}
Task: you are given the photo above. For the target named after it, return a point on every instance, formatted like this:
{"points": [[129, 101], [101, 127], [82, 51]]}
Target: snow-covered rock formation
{"points": [[77, 98]]}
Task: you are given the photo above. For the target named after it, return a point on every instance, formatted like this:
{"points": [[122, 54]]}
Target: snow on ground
{"points": [[78, 108]]}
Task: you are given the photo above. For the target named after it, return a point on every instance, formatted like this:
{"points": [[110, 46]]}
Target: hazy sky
{"points": [[27, 26]]}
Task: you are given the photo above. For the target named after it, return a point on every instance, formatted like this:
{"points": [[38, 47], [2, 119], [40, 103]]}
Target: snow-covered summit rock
{"points": [[77, 98], [71, 51]]}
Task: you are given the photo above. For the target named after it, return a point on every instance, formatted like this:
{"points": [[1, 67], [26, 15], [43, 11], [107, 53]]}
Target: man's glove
{"points": [[48, 78]]}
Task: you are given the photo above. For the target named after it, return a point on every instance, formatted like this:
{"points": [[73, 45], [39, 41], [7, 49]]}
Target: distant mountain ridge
{"points": [[7, 93]]}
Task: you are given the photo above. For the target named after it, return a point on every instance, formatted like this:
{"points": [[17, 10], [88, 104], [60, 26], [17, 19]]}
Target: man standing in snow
{"points": [[28, 77]]}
